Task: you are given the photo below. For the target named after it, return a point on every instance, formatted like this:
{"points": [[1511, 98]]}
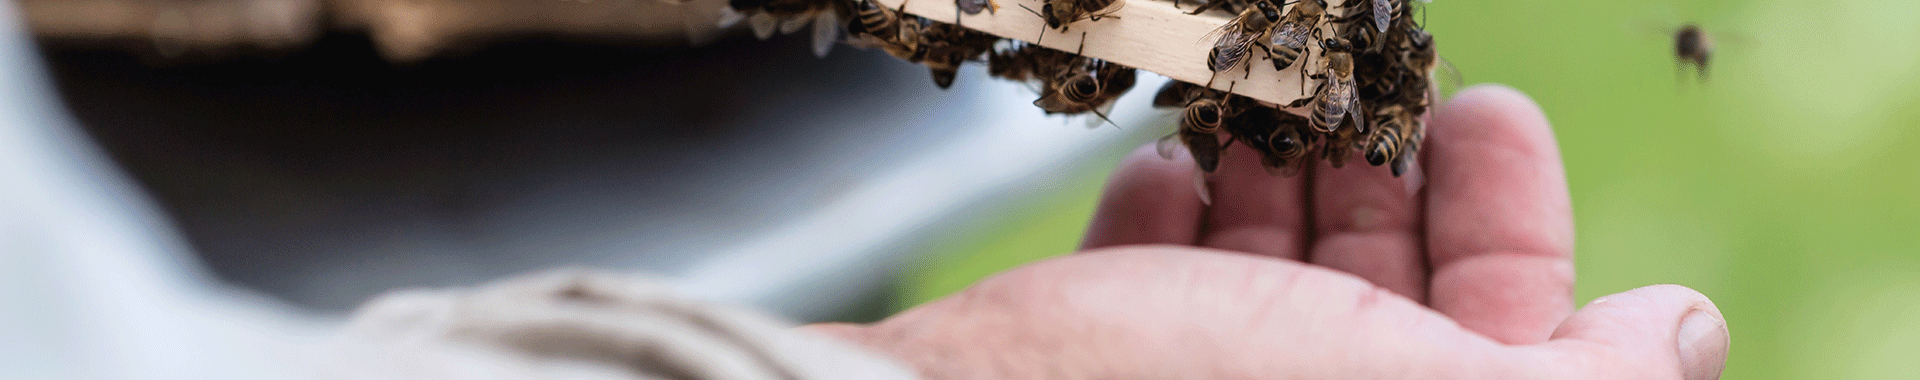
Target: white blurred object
{"points": [[93, 281]]}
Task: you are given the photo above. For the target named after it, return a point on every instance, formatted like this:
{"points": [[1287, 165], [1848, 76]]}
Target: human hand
{"points": [[1469, 278]]}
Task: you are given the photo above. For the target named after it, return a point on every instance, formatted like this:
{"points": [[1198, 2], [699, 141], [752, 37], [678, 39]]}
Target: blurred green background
{"points": [[1785, 189]]}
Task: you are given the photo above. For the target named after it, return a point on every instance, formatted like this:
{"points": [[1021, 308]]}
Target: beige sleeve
{"points": [[582, 324]]}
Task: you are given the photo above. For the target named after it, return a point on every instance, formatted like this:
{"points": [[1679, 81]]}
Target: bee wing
{"points": [[1053, 101], [1454, 80], [763, 25], [1340, 99], [1359, 117], [788, 26], [865, 41], [1200, 187], [729, 17], [1109, 9], [1231, 27], [826, 30], [1168, 146], [1290, 33], [1382, 14], [1230, 48]]}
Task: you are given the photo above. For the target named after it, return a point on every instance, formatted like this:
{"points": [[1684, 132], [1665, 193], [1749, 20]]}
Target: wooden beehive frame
{"points": [[1150, 35]]}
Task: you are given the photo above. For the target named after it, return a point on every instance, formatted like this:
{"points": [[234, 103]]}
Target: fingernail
{"points": [[1703, 346]]}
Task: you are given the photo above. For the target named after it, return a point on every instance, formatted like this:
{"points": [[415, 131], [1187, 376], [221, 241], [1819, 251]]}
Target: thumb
{"points": [[1654, 332]]}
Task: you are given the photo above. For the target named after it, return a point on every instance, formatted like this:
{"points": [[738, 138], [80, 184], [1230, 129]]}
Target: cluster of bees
{"points": [[1374, 73], [1371, 60]]}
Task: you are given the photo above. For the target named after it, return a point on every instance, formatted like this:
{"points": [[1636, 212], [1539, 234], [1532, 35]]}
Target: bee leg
{"points": [[1083, 44]]}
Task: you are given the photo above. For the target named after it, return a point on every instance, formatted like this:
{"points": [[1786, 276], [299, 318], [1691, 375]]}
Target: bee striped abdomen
{"points": [[1202, 116]]}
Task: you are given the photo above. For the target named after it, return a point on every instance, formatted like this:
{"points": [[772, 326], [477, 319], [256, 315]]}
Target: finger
{"points": [[1654, 332], [1499, 228], [1366, 223], [1149, 200], [1255, 211]]}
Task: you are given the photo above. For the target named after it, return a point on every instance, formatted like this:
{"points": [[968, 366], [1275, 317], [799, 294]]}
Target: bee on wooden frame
{"points": [[892, 30], [1204, 114], [1059, 13], [1285, 151], [1288, 40], [1335, 99], [1237, 37], [1086, 86], [948, 45]]}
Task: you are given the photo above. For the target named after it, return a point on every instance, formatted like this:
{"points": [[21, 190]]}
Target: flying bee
{"points": [[1233, 40], [1335, 99], [1289, 37], [1693, 46]]}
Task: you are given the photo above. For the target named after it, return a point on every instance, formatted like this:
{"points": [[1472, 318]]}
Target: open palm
{"points": [[1336, 273]]}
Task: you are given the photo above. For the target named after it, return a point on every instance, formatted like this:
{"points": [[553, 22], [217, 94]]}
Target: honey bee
{"points": [[1029, 64], [1693, 46], [1379, 13], [1286, 149], [1059, 13], [1409, 147], [1335, 99], [1384, 145], [1199, 128], [948, 45], [1337, 145], [1289, 38], [892, 30], [1088, 85], [1237, 37], [1205, 112], [1177, 94]]}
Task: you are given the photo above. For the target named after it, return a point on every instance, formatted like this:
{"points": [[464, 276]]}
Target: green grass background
{"points": [[1786, 189]]}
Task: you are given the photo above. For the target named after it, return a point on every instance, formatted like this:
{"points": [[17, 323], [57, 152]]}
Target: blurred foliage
{"points": [[1785, 188]]}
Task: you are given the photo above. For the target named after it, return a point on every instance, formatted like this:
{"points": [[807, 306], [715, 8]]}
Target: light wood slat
{"points": [[1149, 35]]}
